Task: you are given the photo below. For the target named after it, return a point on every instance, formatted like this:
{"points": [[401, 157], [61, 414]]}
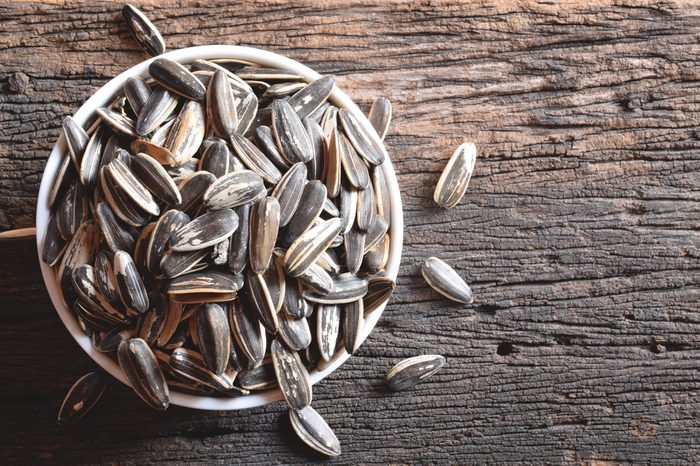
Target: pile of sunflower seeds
{"points": [[222, 228]]}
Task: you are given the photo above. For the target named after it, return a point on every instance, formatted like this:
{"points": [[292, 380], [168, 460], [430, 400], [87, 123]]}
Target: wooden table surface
{"points": [[579, 233]]}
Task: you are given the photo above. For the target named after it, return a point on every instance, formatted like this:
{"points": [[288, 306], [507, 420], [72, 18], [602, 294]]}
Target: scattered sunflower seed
{"points": [[411, 371], [455, 177], [443, 279], [81, 397]]}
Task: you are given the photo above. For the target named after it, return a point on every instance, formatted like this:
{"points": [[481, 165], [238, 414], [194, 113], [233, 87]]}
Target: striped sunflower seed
{"points": [[455, 177], [176, 78], [375, 234], [280, 90], [316, 279], [238, 243], [328, 261], [221, 108], [172, 319], [235, 189], [90, 162], [173, 264], [379, 290], [265, 140], [347, 287], [288, 191], [259, 298], [143, 30], [104, 276], [85, 285], [204, 287], [72, 210], [380, 116], [118, 122], [110, 341], [214, 337], [264, 225], [122, 206], [64, 177], [204, 231], [348, 207], [308, 209], [254, 159], [318, 144], [116, 235], [377, 256], [295, 333], [314, 431], [329, 121], [53, 245], [82, 396], [366, 209], [158, 107], [154, 177], [260, 377], [248, 332], [352, 328], [381, 194], [137, 93], [366, 144], [216, 159], [411, 371], [354, 249], [292, 377], [170, 222], [151, 323], [294, 304], [141, 369], [332, 164], [308, 247], [192, 192], [81, 249], [131, 288], [312, 96], [353, 166], [127, 182], [276, 281], [76, 140], [189, 365], [187, 133], [443, 279], [292, 140], [328, 328]]}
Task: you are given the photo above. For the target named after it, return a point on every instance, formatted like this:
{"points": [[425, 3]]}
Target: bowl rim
{"points": [[102, 97]]}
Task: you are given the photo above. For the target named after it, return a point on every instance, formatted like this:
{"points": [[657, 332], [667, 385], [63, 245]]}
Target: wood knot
{"points": [[18, 82], [642, 428]]}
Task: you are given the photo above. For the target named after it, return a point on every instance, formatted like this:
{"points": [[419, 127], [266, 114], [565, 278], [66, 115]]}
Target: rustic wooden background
{"points": [[580, 231]]}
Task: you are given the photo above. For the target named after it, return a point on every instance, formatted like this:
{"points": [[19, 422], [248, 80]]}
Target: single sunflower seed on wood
{"points": [[288, 191], [137, 93], [157, 108], [308, 209], [116, 235], [141, 369], [366, 144], [214, 337], [76, 140], [347, 287], [264, 225], [443, 279], [352, 328], [292, 377], [204, 231], [127, 182], [81, 397], [221, 107], [235, 189], [176, 78], [379, 290], [380, 116], [143, 30], [295, 333], [308, 247], [328, 328], [259, 298], [254, 159], [118, 122], [411, 371], [353, 166], [131, 288], [455, 177], [248, 332], [312, 96], [154, 177], [216, 159], [314, 431], [291, 137], [170, 222], [238, 243], [187, 133]]}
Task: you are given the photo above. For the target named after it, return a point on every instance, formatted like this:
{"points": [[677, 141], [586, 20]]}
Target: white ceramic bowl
{"points": [[102, 98]]}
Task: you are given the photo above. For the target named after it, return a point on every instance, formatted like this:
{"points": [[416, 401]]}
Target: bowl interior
{"points": [[102, 98]]}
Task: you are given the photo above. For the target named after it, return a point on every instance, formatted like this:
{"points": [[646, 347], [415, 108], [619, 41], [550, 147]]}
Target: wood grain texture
{"points": [[579, 233]]}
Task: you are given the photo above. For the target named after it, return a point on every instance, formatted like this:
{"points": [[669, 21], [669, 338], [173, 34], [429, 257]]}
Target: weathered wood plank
{"points": [[579, 232]]}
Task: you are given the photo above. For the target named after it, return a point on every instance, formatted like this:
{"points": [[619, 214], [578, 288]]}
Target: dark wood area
{"points": [[580, 232]]}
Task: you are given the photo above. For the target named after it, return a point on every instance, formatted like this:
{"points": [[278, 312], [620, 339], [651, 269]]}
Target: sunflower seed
{"points": [[72, 210], [110, 341], [208, 286], [276, 281], [81, 397], [266, 142], [170, 325], [221, 108], [122, 206], [328, 327], [54, 245], [131, 288], [317, 115], [127, 182], [177, 79], [257, 73], [295, 333], [327, 260], [85, 285], [292, 140], [154, 177], [118, 122], [104, 276], [157, 108], [380, 116], [353, 166], [347, 287], [294, 305], [413, 370], [317, 279], [329, 121], [381, 194], [259, 299], [214, 337], [187, 133], [308, 209], [377, 257], [238, 243], [151, 323], [288, 191], [137, 92], [189, 365], [366, 209], [170, 222], [279, 90], [63, 179], [204, 231], [308, 99], [81, 249], [443, 279], [292, 376], [366, 144], [76, 140], [215, 159], [248, 332], [116, 235], [348, 207], [141, 369], [142, 244], [314, 431], [305, 250], [332, 164], [234, 189], [143, 31], [254, 159], [315, 165], [192, 192], [354, 318], [237, 360], [90, 163], [264, 224], [354, 249], [260, 377], [375, 234], [455, 177]]}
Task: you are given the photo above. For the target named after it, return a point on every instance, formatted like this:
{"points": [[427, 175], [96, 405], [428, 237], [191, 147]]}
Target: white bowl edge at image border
{"points": [[102, 97]]}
